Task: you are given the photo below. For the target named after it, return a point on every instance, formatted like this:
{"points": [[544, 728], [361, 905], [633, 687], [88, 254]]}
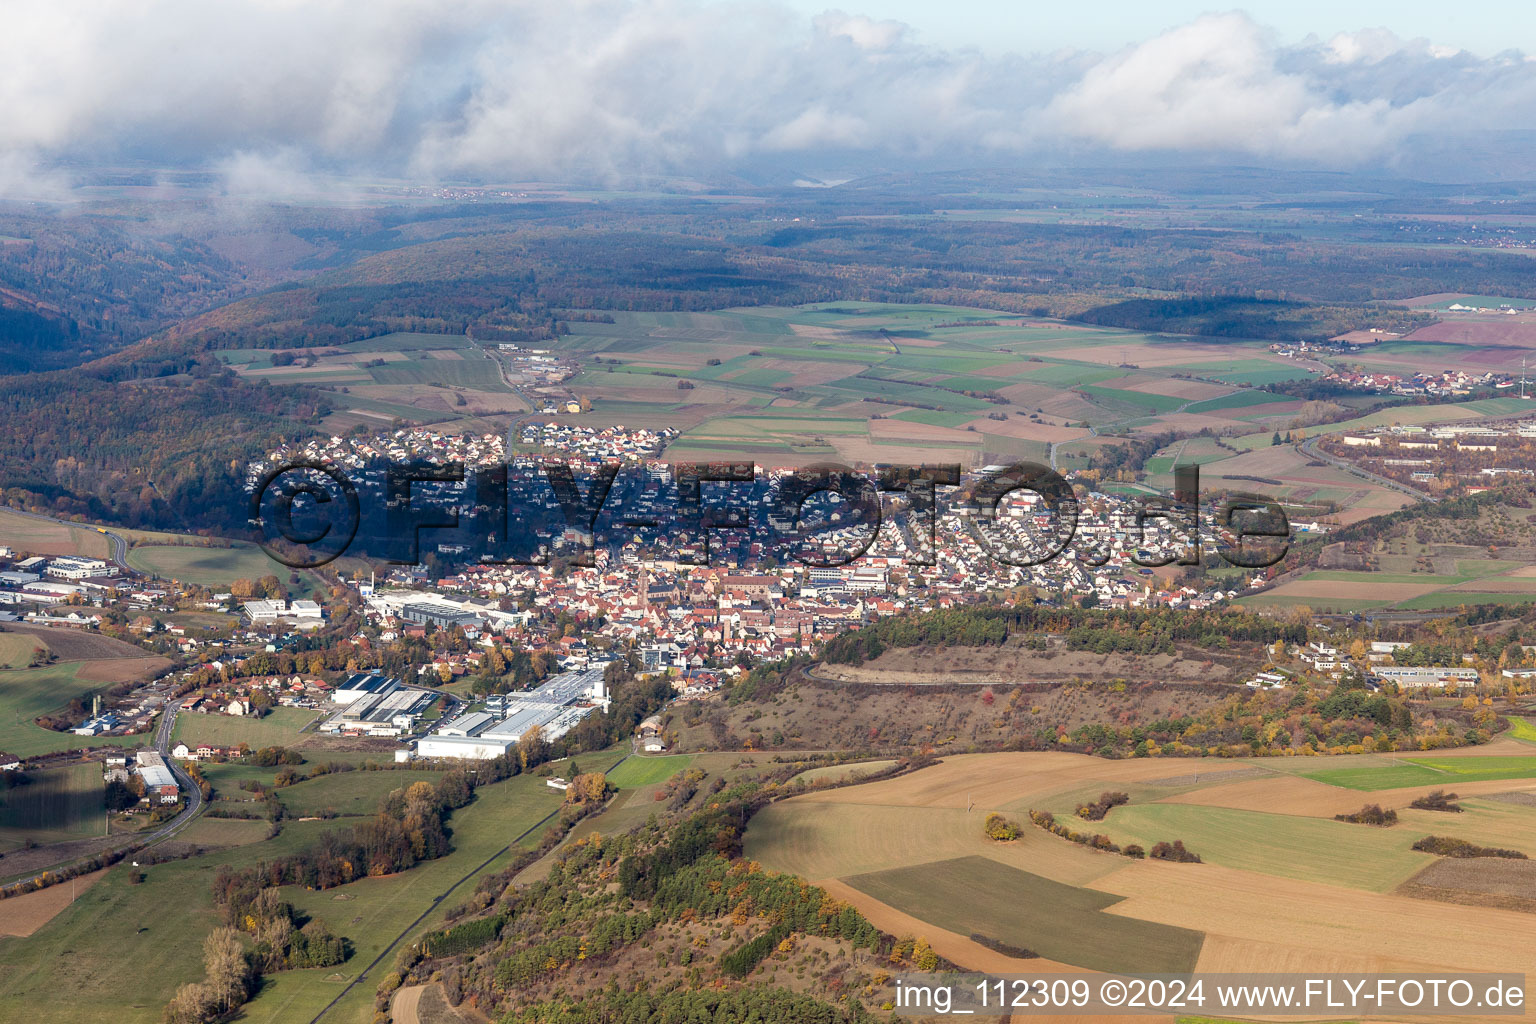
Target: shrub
{"points": [[1439, 800], [1446, 846], [998, 946], [1000, 829], [1370, 814], [1174, 852], [1097, 810]]}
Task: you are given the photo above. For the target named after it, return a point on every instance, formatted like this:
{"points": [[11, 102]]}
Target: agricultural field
{"points": [[1433, 566], [1021, 909], [635, 772], [218, 833], [279, 727], [861, 382], [27, 693], [346, 793], [27, 913], [1522, 729], [419, 378], [1281, 886], [206, 566], [166, 917], [58, 805], [44, 537], [1424, 771], [842, 772], [18, 650]]}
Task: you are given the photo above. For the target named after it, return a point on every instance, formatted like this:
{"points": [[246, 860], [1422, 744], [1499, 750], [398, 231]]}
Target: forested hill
{"points": [[153, 453]]}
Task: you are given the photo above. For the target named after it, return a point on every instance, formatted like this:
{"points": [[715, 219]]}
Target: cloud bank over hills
{"points": [[270, 90]]}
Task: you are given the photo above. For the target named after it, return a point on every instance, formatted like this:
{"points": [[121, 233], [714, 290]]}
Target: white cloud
{"points": [[272, 90], [865, 33]]}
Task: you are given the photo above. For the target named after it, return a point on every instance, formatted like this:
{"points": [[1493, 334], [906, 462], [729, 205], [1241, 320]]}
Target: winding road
{"points": [[190, 813], [119, 546], [1309, 448]]}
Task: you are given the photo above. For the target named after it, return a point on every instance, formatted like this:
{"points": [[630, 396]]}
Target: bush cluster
{"points": [[1096, 840], [1370, 814], [1446, 846], [1101, 807], [1439, 800], [1175, 852], [1000, 829]]}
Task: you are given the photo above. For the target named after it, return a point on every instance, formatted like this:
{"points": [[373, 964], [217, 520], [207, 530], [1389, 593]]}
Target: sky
{"points": [[1484, 27], [271, 94]]}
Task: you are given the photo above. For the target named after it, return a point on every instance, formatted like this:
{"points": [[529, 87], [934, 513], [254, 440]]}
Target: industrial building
{"points": [[472, 724], [387, 712], [159, 784], [438, 616], [69, 567], [1426, 675], [475, 748], [554, 708], [363, 684]]}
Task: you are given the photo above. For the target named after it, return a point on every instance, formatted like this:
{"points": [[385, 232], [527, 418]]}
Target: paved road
{"points": [[1309, 448], [118, 546], [189, 813]]}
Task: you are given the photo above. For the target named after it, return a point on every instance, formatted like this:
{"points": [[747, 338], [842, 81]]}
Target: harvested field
{"points": [[1477, 882], [889, 430], [818, 838], [1210, 778], [1510, 584], [1513, 331], [43, 537], [1522, 799], [1326, 925], [20, 916], [1339, 590], [909, 832], [1193, 390], [120, 670], [1025, 430], [1058, 921], [79, 644]]}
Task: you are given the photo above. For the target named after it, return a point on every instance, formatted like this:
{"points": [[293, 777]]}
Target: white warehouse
{"points": [[475, 748]]}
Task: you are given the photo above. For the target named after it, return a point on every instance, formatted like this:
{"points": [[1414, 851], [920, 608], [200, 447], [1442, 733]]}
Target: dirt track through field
{"points": [[406, 1001]]}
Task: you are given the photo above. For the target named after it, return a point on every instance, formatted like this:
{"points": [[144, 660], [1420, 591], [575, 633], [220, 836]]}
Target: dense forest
{"points": [[1243, 317]]}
